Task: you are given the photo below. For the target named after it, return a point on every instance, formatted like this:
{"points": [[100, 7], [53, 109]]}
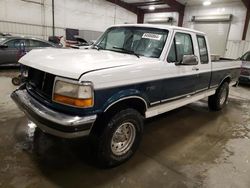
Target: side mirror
{"points": [[188, 60], [3, 46]]}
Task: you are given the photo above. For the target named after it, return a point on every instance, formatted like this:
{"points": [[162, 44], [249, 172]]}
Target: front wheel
{"points": [[217, 101], [120, 138]]}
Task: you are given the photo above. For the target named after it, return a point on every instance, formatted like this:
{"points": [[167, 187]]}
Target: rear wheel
{"points": [[120, 138], [217, 101]]}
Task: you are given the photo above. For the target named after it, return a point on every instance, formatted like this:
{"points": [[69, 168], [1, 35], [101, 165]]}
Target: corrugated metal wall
{"points": [[236, 49], [33, 30]]}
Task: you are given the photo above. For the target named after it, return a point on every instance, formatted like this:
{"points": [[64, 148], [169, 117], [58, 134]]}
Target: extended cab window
{"points": [[182, 45], [203, 49]]}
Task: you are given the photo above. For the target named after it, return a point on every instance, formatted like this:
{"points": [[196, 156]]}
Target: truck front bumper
{"points": [[50, 121]]}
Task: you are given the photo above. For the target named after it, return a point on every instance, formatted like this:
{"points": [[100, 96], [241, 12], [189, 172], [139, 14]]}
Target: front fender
{"points": [[123, 95]]}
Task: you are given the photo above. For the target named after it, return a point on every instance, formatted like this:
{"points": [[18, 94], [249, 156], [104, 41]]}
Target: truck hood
{"points": [[73, 63]]}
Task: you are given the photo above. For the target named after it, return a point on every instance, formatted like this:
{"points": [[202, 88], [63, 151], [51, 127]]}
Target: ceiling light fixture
{"points": [[207, 3], [151, 8]]}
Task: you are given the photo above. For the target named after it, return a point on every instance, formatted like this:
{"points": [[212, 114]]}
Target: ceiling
{"points": [[145, 4], [141, 7], [199, 2], [160, 4]]}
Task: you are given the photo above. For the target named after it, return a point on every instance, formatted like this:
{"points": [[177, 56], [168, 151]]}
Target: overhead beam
{"points": [[177, 7], [131, 8], [140, 17], [181, 17], [246, 24], [148, 3], [125, 5], [175, 4], [247, 4], [159, 10]]}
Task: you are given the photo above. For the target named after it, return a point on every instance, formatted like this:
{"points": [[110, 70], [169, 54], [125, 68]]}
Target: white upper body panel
{"points": [[109, 69], [246, 64]]}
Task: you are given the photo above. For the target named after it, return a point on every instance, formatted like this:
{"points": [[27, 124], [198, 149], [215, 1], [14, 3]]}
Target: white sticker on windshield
{"points": [[151, 36]]}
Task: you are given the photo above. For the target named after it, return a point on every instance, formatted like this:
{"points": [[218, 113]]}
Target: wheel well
{"points": [[227, 79], [135, 103]]}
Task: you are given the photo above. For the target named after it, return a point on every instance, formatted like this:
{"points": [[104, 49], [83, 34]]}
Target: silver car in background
{"points": [[12, 47], [245, 69]]}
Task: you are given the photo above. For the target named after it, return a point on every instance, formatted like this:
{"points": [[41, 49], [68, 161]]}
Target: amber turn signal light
{"points": [[82, 103]]}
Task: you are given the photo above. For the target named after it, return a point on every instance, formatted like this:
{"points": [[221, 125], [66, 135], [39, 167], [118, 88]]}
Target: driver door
{"points": [[182, 78]]}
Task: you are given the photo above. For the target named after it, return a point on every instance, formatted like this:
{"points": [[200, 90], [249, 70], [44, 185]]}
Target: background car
{"points": [[245, 70], [12, 48], [79, 43]]}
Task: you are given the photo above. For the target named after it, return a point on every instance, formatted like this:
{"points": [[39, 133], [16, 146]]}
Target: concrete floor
{"points": [[188, 147]]}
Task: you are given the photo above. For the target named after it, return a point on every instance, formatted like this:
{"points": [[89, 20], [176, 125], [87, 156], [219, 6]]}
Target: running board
{"points": [[162, 108]]}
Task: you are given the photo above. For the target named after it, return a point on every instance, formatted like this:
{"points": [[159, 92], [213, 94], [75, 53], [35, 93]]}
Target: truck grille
{"points": [[41, 82]]}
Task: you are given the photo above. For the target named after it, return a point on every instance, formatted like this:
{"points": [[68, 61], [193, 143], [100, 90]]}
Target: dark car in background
{"points": [[12, 48], [245, 69]]}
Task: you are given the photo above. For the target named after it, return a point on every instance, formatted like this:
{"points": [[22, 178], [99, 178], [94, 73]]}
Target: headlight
{"points": [[73, 94]]}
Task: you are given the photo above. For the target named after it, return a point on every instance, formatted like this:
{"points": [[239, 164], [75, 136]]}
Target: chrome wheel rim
{"points": [[223, 97], [123, 138]]}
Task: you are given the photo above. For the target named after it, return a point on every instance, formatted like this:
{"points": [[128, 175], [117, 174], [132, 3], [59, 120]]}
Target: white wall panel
{"points": [[236, 49], [235, 46], [19, 17], [237, 9], [29, 30]]}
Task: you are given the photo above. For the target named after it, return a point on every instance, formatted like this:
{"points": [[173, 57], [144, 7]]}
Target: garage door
{"points": [[217, 35]]}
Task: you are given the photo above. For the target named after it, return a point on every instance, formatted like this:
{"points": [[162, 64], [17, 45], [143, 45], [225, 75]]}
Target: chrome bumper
{"points": [[50, 121]]}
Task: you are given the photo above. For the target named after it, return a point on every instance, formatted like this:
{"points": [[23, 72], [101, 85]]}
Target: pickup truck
{"points": [[131, 73]]}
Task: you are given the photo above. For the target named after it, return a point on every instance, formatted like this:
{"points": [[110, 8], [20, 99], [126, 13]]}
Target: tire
{"points": [[16, 81], [107, 151], [218, 101]]}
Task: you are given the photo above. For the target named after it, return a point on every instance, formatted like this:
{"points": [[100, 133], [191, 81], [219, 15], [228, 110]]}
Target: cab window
{"points": [[203, 49], [182, 45], [246, 57]]}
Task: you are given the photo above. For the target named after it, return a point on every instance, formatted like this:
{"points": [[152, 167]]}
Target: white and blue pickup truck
{"points": [[132, 72]]}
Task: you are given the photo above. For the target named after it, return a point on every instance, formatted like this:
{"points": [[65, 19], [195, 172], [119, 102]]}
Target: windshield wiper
{"points": [[127, 51], [98, 47]]}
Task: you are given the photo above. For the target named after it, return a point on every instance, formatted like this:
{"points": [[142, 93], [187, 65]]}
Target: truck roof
{"points": [[170, 27]]}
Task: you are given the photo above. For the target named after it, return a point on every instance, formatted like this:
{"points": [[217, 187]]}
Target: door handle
{"points": [[195, 69]]}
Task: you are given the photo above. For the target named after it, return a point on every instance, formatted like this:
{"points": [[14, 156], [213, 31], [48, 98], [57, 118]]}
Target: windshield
{"points": [[140, 41]]}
